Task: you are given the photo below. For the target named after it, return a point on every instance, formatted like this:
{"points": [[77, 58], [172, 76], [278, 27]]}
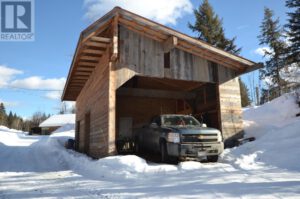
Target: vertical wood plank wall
{"points": [[94, 98], [230, 105], [144, 56]]}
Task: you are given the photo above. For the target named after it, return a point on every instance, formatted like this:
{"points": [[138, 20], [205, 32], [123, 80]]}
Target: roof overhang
{"points": [[91, 46]]}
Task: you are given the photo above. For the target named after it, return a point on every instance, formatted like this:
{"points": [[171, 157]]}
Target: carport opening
{"points": [[142, 98]]}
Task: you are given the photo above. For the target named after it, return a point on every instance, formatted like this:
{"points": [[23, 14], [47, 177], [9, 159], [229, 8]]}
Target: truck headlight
{"points": [[173, 137], [219, 137]]}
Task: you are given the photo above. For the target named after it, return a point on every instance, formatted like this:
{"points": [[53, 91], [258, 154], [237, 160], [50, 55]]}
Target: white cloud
{"points": [[55, 95], [8, 80], [36, 82], [162, 11], [261, 50], [7, 74]]}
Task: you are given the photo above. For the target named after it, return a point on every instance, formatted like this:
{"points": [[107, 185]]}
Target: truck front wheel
{"points": [[164, 153], [212, 158]]}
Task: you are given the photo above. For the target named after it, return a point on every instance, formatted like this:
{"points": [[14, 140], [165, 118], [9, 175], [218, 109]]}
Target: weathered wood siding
{"points": [[230, 105], [94, 98], [142, 109], [141, 54], [144, 56], [186, 66]]}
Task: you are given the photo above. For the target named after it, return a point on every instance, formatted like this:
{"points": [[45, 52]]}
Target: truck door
{"points": [[154, 135]]}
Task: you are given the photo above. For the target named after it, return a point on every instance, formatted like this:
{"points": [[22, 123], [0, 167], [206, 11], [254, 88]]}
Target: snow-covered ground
{"points": [[40, 167]]}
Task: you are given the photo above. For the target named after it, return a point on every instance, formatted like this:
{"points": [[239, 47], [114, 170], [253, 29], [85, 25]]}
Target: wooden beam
{"points": [[101, 39], [82, 73], [85, 69], [77, 75], [87, 64], [153, 93], [98, 26], [204, 55], [77, 84], [89, 58], [91, 51], [71, 87], [96, 44], [145, 33], [80, 78], [194, 86], [143, 28], [170, 43]]}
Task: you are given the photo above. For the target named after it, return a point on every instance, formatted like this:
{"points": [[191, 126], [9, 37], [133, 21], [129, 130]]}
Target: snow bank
{"points": [[9, 136], [113, 167], [277, 133]]}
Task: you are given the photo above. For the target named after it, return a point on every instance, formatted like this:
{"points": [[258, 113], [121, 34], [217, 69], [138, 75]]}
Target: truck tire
{"points": [[212, 158], [164, 153]]}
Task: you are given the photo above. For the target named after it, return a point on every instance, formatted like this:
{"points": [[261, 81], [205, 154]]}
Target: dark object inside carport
{"points": [[35, 131], [70, 144]]}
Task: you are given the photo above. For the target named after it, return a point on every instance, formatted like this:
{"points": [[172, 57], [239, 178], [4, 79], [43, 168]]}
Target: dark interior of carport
{"points": [[141, 98]]}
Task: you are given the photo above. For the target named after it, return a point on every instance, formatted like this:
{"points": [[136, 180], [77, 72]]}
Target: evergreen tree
{"points": [[244, 94], [271, 35], [3, 116], [294, 31], [208, 25], [10, 119]]}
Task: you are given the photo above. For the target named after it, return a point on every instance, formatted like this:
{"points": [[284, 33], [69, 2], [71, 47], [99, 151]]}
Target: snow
{"points": [[58, 120], [277, 133], [269, 167]]}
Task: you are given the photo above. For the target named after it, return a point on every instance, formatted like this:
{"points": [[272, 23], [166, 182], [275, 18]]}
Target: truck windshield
{"points": [[179, 120]]}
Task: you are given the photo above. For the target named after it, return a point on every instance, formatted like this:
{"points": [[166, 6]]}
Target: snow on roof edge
{"points": [[58, 120]]}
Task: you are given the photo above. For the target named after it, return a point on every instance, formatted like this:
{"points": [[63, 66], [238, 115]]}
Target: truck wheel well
{"points": [[162, 141]]}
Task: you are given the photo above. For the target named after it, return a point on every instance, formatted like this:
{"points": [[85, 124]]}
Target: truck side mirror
{"points": [[154, 125]]}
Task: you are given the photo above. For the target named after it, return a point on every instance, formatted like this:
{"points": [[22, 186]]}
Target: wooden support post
{"points": [[115, 39], [170, 43], [112, 110]]}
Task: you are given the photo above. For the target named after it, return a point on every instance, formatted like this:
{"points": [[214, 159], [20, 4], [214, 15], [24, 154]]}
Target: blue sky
{"points": [[44, 63]]}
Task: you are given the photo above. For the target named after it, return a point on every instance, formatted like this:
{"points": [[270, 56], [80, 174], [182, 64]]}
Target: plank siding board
{"points": [[145, 56], [230, 107], [94, 98], [140, 54], [186, 66], [144, 108]]}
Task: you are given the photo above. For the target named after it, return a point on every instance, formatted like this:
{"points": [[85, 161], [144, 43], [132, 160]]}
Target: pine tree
{"points": [[208, 25], [271, 35], [10, 119], [244, 94], [294, 31], [3, 116]]}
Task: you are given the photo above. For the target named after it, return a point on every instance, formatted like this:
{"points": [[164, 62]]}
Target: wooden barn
{"points": [[127, 69]]}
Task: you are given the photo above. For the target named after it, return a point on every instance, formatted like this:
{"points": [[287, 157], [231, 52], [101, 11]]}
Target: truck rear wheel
{"points": [[212, 158]]}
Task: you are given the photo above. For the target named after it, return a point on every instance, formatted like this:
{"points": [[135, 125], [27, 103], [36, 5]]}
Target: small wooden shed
{"points": [[127, 69]]}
